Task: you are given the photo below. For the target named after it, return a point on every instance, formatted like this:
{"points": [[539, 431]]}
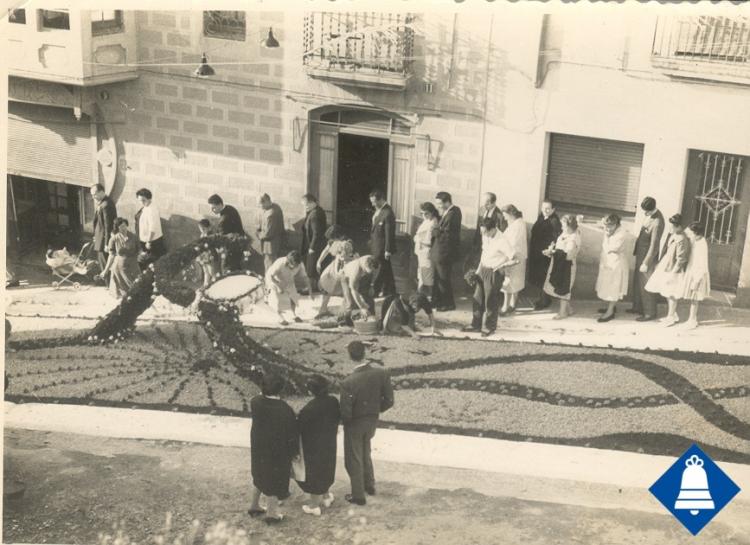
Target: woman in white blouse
{"points": [[612, 282], [515, 276], [422, 243]]}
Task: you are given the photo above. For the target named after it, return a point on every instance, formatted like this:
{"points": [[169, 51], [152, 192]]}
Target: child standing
{"points": [[697, 276], [209, 259]]}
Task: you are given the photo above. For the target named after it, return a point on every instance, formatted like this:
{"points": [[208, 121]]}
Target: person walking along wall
{"points": [[105, 214], [446, 251], [612, 281], [230, 223], [148, 230], [313, 236], [383, 244], [544, 233], [646, 257], [271, 232]]}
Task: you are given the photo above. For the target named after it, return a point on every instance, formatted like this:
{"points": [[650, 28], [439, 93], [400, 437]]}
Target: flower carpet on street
{"points": [[654, 402]]}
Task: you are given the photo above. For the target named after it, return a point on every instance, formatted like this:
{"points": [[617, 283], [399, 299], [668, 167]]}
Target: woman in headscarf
{"points": [[612, 282]]}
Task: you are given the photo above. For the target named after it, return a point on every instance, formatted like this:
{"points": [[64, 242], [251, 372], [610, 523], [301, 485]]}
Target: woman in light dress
{"points": [[422, 243], [122, 261], [669, 276], [697, 276], [612, 282], [515, 275], [562, 268], [338, 252]]}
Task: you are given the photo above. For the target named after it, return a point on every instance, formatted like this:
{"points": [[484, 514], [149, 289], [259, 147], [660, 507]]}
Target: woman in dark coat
{"points": [[318, 425], [274, 441], [544, 233]]}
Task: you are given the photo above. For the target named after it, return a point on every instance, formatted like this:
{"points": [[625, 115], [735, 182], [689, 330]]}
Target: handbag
{"points": [[298, 465]]}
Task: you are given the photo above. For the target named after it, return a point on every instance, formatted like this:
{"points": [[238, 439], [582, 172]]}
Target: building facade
{"points": [[592, 111]]}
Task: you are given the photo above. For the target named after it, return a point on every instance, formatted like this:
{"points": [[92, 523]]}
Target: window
{"points": [[17, 16], [593, 174], [55, 19], [228, 25], [106, 22]]}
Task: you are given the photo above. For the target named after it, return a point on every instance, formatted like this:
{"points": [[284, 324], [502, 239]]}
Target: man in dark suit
{"points": [[365, 393], [230, 223], [445, 251], [646, 257], [383, 244], [544, 232], [489, 209], [104, 220], [271, 232], [313, 236]]}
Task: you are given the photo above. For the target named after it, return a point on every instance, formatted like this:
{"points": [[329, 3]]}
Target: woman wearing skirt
{"points": [[122, 261], [338, 252], [612, 282], [669, 276], [423, 239], [561, 274], [515, 275], [697, 276]]}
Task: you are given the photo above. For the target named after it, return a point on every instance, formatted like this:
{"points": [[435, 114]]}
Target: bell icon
{"points": [[694, 493]]}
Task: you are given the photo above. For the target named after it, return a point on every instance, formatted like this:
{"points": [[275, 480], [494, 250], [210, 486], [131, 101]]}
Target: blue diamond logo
{"points": [[694, 489]]}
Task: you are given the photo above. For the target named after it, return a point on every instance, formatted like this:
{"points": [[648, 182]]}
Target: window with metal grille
{"points": [[55, 19], [594, 174], [703, 38], [17, 16], [227, 25], [106, 22]]}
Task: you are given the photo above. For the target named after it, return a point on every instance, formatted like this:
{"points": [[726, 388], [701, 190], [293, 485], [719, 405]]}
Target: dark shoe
{"points": [[471, 329], [540, 305], [609, 318], [488, 332], [355, 501], [645, 318], [370, 490], [634, 311], [274, 520], [256, 512], [297, 320]]}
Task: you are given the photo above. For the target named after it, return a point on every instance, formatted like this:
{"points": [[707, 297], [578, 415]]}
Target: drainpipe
{"points": [[484, 110]]}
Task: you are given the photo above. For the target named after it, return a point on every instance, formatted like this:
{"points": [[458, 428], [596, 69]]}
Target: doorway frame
{"points": [[319, 127]]}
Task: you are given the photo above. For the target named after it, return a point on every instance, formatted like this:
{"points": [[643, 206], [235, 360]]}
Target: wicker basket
{"points": [[366, 327]]}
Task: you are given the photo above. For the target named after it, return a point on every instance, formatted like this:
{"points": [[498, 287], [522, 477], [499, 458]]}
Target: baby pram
{"points": [[64, 265]]}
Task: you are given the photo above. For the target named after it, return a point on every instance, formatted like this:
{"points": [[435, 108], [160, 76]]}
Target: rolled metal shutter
{"points": [[50, 144], [594, 172]]}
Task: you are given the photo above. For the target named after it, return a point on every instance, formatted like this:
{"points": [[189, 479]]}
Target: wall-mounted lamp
{"points": [[270, 42], [204, 70]]}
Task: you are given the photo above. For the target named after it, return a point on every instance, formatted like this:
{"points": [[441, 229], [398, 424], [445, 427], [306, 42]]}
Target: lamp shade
{"points": [[270, 41], [204, 70]]}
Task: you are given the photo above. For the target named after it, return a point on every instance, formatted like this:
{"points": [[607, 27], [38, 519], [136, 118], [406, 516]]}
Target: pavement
{"points": [[723, 328], [431, 489]]}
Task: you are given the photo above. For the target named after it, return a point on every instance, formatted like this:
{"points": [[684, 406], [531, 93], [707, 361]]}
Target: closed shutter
{"points": [[593, 172], [48, 143], [400, 191]]}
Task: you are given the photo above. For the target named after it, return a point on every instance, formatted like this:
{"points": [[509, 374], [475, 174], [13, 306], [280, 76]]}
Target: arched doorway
{"points": [[354, 151]]}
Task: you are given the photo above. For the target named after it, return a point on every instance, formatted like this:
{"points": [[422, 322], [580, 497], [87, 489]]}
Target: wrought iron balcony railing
{"points": [[718, 46], [360, 48]]}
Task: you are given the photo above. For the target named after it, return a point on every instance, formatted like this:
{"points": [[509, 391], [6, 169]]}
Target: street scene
{"points": [[426, 276]]}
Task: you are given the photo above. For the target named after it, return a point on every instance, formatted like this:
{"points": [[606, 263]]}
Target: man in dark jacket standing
{"points": [[365, 393], [313, 236], [383, 244], [230, 223], [543, 233], [646, 253], [489, 209], [271, 232], [104, 220], [445, 251]]}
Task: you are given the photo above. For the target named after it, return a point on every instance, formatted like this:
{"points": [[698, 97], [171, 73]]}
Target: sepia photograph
{"points": [[466, 272]]}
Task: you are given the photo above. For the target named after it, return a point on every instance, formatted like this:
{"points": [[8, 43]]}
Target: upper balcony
{"points": [[361, 49], [715, 48], [75, 47]]}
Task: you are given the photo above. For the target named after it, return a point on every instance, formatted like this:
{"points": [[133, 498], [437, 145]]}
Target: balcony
{"points": [[715, 48], [74, 47], [372, 50]]}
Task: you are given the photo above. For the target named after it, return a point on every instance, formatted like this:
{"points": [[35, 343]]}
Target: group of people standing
{"points": [[303, 447]]}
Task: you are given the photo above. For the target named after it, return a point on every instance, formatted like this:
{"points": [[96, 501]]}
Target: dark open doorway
{"points": [[363, 167]]}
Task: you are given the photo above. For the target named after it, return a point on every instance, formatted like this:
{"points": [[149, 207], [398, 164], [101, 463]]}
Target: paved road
{"points": [[77, 486]]}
